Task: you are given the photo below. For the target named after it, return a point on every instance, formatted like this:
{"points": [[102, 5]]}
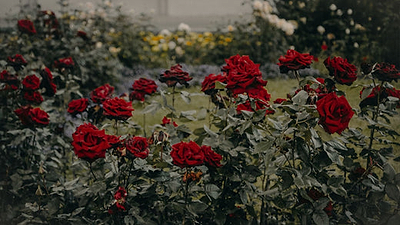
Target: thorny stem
{"points": [[173, 99], [294, 147], [186, 196], [297, 75], [116, 127]]}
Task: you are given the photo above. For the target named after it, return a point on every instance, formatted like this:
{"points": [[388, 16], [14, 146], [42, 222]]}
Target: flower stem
{"points": [[91, 171]]}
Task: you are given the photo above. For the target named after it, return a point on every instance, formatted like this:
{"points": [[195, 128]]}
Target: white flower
{"points": [[356, 45], [378, 28], [107, 3], [267, 8], [179, 51], [180, 40], [349, 11], [272, 18], [230, 28], [302, 5], [303, 19], [89, 5], [184, 27], [99, 44], [352, 22], [333, 7], [347, 31], [257, 5], [288, 28], [321, 29], [171, 45], [165, 32], [114, 50], [112, 30], [339, 12], [291, 47]]}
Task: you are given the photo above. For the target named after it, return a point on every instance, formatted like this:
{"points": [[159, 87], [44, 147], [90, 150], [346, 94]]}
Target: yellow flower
{"points": [[228, 39], [189, 43]]}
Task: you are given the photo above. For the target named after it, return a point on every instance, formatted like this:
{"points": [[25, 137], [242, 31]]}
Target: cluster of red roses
{"points": [[113, 108], [240, 75], [90, 143], [335, 112], [119, 203], [31, 90], [187, 154]]}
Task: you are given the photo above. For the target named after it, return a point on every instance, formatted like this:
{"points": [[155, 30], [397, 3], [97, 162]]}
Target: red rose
{"points": [[211, 158], [17, 62], [64, 63], [142, 87], [138, 147], [78, 105], [89, 142], [47, 82], [117, 108], [185, 154], [38, 116], [315, 195], [341, 70], [26, 26], [119, 200], [394, 93], [82, 35], [31, 82], [357, 173], [259, 105], [294, 60], [175, 75], [23, 114], [166, 121], [101, 93], [279, 100], [242, 74], [208, 84], [385, 72], [335, 113], [33, 96], [9, 79]]}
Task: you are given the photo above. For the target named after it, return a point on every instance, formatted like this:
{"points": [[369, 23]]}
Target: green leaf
{"points": [[219, 85], [202, 114], [300, 98], [210, 132], [152, 108], [185, 96], [393, 192], [212, 190], [320, 217], [197, 207], [389, 171], [367, 91], [243, 196]]}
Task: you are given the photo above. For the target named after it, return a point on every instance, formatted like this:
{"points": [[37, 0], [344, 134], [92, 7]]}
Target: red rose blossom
{"points": [[47, 82], [186, 154], [33, 97], [175, 75], [26, 26], [208, 84], [242, 74], [82, 35], [166, 121], [102, 93], [38, 116], [211, 158], [335, 113], [138, 147], [31, 82], [78, 105], [119, 201], [9, 79], [17, 62], [341, 70], [294, 60], [142, 87], [117, 108], [23, 114], [279, 100], [89, 142], [385, 72], [64, 63]]}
